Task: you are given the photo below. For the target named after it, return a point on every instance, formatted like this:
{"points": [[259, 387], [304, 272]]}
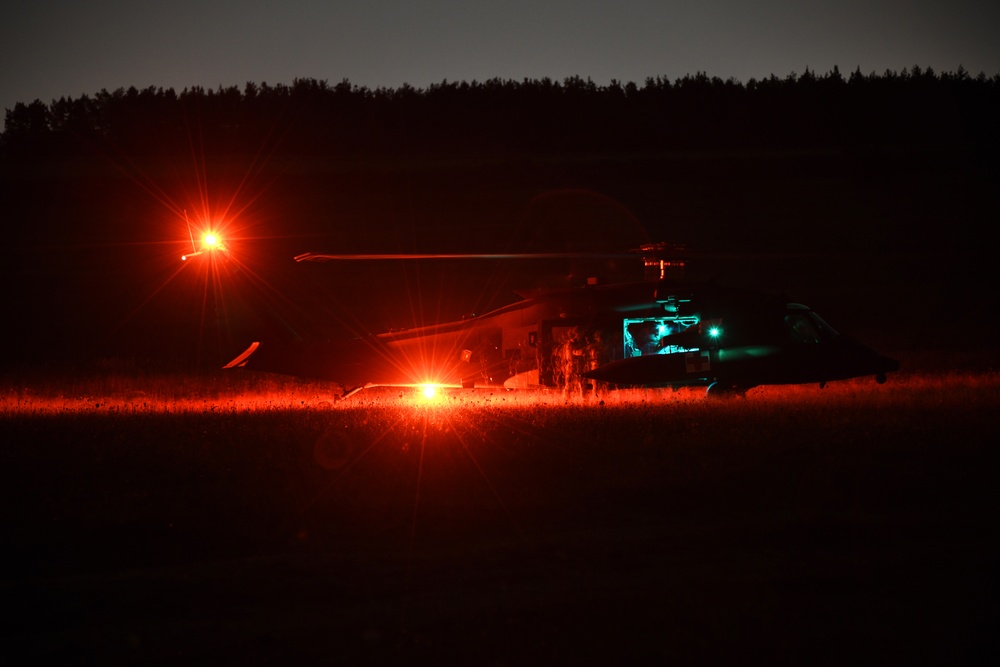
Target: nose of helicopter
{"points": [[862, 360], [885, 365]]}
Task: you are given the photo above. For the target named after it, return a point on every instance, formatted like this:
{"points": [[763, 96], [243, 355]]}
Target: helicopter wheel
{"points": [[722, 390]]}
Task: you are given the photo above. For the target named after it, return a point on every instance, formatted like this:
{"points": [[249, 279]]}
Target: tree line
{"points": [[696, 112]]}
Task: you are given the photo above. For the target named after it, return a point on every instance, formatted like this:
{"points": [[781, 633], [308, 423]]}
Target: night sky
{"points": [[50, 49]]}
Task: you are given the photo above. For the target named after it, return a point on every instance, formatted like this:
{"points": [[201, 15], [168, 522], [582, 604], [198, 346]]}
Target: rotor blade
{"points": [[321, 257], [674, 254]]}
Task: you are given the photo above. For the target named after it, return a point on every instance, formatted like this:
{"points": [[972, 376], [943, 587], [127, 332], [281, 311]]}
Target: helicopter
{"points": [[661, 331]]}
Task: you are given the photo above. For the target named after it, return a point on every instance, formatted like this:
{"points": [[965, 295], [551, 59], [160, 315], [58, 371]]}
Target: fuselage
{"points": [[648, 334]]}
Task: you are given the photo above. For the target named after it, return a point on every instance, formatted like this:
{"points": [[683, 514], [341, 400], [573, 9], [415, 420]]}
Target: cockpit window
{"points": [[824, 329], [800, 329], [805, 326], [656, 335]]}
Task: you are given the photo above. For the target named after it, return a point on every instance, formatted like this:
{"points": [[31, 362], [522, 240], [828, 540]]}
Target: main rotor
{"points": [[660, 260]]}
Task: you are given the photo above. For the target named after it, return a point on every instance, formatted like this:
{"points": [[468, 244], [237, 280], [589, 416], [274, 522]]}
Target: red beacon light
{"points": [[210, 242]]}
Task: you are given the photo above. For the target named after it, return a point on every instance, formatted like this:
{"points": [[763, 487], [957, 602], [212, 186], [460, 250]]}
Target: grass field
{"points": [[247, 518]]}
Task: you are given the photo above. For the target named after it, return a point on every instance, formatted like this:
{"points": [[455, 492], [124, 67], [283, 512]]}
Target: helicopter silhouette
{"points": [[658, 332]]}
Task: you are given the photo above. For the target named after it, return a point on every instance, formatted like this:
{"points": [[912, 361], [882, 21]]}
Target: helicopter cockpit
{"points": [[650, 335], [806, 327]]}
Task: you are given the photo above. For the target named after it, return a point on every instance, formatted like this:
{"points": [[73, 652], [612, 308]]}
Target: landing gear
{"points": [[725, 390]]}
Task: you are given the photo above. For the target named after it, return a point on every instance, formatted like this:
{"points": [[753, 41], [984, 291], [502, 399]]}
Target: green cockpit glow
{"points": [[657, 335]]}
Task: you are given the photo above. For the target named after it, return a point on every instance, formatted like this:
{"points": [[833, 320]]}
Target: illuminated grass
{"points": [[259, 426], [246, 392]]}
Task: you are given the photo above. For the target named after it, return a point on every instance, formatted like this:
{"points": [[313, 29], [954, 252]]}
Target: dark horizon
{"points": [[832, 108], [56, 49]]}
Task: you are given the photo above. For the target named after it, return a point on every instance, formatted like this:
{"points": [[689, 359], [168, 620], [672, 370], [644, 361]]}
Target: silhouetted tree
{"points": [[535, 115]]}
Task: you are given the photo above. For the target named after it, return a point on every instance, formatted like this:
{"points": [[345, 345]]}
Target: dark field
{"points": [[241, 519]]}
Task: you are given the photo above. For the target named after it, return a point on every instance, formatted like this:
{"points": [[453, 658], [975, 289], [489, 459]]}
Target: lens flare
{"points": [[210, 242], [429, 391]]}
